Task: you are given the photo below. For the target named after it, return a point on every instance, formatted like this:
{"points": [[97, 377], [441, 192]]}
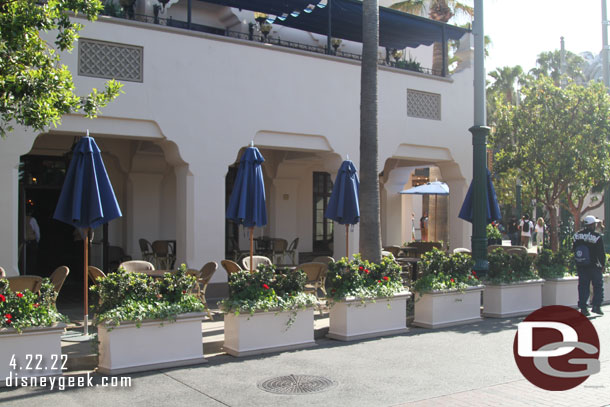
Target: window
{"points": [[322, 227]]}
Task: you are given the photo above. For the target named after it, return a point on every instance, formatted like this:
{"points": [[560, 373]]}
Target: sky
{"points": [[521, 29]]}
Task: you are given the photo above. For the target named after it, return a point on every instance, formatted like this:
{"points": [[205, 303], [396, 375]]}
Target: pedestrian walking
{"points": [[423, 225], [590, 260], [526, 226], [539, 229]]}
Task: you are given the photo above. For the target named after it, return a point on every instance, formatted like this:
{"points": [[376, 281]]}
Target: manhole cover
{"points": [[296, 384]]}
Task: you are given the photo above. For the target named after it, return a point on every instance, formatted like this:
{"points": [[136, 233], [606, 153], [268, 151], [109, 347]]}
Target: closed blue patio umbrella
{"points": [[247, 202], [87, 199], [493, 208], [343, 206]]}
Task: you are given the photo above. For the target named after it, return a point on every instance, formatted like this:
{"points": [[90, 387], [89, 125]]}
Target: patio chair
{"points": [[22, 283], [147, 250], [94, 273], [162, 254], [137, 266], [278, 247], [323, 259], [256, 261], [395, 250], [116, 256], [316, 277], [203, 279], [58, 277], [2, 273], [230, 266], [292, 250]]}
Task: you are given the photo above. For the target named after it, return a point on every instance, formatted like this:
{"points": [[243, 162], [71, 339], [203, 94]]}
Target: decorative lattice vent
{"points": [[101, 59], [423, 105]]}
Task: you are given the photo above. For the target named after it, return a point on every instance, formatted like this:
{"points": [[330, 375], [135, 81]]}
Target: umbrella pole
{"points": [[347, 242], [435, 218], [85, 285], [251, 245]]}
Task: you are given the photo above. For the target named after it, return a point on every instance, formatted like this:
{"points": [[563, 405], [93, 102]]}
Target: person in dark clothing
{"points": [[513, 231], [590, 260]]}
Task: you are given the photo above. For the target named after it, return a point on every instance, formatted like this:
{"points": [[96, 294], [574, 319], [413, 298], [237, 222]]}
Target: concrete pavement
{"points": [[460, 366]]}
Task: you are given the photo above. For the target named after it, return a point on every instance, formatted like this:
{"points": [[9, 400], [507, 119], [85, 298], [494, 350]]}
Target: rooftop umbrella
{"points": [[430, 188], [247, 203], [343, 206], [493, 208], [87, 199]]}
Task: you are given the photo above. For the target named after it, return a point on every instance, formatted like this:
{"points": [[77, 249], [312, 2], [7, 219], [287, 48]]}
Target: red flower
{"points": [[183, 292], [8, 316], [2, 298], [36, 305], [19, 295], [379, 281], [265, 286], [361, 268], [386, 278], [474, 273], [452, 280], [8, 321], [366, 271]]}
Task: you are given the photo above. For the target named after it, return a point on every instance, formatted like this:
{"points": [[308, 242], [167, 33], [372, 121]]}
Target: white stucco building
{"points": [[193, 101]]}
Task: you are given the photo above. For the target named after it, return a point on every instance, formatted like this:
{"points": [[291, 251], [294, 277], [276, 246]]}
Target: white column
{"points": [[396, 221], [144, 209], [12, 147], [460, 231], [184, 216]]}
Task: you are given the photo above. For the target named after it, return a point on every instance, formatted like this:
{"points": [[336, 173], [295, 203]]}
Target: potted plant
{"points": [[267, 311], [511, 286], [366, 299], [160, 316], [448, 292], [494, 236], [30, 333], [560, 282]]}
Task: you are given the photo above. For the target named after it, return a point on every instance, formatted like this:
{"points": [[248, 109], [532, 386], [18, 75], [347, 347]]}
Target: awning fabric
{"points": [[396, 29]]}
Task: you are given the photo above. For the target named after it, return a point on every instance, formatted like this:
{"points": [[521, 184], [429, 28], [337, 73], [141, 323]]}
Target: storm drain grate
{"points": [[296, 384]]}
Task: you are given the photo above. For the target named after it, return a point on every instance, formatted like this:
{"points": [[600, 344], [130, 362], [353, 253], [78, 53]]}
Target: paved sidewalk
{"points": [[470, 365]]}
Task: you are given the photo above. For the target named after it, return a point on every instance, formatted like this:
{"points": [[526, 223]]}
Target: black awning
{"points": [[396, 29]]}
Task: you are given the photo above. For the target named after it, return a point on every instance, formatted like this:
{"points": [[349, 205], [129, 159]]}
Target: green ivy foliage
{"points": [[363, 279], [125, 296], [36, 90], [442, 271], [266, 289], [27, 309], [555, 264], [507, 268]]}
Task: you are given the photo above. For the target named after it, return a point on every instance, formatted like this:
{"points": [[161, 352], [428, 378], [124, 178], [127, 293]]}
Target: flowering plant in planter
{"points": [[269, 288], [125, 296], [555, 265], [362, 279], [509, 268], [442, 271], [27, 309]]}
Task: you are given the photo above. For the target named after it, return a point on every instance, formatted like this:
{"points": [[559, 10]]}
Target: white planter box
{"points": [[508, 300], [156, 344], [560, 291], [606, 289], [266, 332], [26, 346], [440, 309], [350, 319]]}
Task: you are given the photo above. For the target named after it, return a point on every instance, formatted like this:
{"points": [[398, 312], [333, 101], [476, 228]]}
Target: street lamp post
{"points": [[479, 146], [606, 76]]}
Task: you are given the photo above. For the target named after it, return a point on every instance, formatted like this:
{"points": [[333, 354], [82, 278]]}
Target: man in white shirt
{"points": [[526, 227]]}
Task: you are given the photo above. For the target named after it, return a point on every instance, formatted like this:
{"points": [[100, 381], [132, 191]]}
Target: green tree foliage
{"points": [[560, 141], [549, 64], [35, 89]]}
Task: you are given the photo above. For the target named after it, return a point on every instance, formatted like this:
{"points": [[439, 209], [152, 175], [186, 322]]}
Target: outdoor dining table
{"points": [[156, 273]]}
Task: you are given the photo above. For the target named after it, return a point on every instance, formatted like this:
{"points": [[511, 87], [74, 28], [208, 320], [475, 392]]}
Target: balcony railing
{"points": [[254, 36]]}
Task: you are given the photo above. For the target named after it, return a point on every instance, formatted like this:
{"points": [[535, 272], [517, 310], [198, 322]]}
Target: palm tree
{"points": [[370, 230], [504, 83], [549, 64], [438, 10]]}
